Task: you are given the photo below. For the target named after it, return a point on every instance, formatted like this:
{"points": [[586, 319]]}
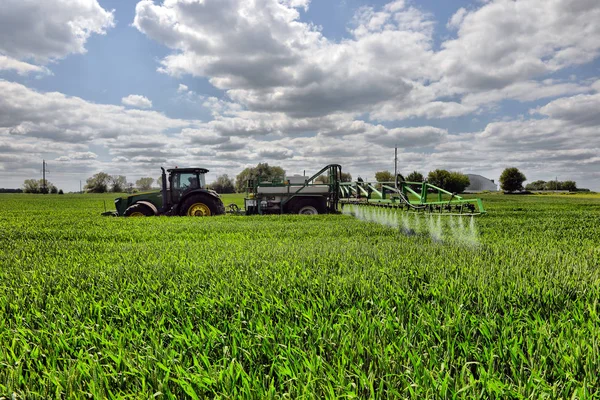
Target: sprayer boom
{"points": [[410, 196]]}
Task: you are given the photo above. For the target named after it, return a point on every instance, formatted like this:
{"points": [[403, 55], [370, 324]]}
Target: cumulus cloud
{"points": [[409, 137], [54, 116], [270, 61], [507, 41], [43, 31], [581, 110], [137, 101], [20, 67]]}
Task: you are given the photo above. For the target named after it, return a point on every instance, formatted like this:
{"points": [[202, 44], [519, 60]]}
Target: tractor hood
{"points": [[154, 197]]}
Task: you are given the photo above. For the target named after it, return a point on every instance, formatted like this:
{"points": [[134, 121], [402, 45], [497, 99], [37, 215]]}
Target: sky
{"points": [[126, 87]]}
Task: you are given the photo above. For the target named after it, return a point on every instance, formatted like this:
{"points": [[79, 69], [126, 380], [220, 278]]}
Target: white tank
{"points": [[296, 179]]}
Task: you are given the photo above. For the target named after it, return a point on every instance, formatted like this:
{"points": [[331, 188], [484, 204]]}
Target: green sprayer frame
{"points": [[412, 196]]}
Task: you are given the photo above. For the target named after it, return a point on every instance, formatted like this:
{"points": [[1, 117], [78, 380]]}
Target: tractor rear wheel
{"points": [[201, 206], [139, 210]]}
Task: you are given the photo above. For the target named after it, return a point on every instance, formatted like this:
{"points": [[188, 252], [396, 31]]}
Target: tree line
{"points": [[103, 182], [511, 181], [37, 186]]}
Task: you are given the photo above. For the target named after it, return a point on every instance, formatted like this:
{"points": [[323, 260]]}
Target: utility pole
{"points": [[395, 162], [80, 191], [44, 188]]}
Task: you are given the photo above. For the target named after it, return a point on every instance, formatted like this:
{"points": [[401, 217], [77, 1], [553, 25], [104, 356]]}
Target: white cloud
{"points": [[84, 155], [50, 29], [135, 100], [525, 91], [20, 67], [581, 110], [26, 113], [182, 88], [457, 19], [270, 61], [505, 42], [423, 136]]}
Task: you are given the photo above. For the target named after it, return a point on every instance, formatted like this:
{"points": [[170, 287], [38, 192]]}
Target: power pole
{"points": [[44, 189], [395, 162]]}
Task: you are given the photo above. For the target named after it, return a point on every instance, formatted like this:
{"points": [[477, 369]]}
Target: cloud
{"points": [[21, 68], [423, 136], [26, 113], [137, 101], [581, 110], [505, 41], [525, 91], [271, 62], [48, 30], [182, 88]]}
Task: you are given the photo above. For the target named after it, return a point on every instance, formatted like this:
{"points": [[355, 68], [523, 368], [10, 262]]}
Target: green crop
{"points": [[299, 307]]}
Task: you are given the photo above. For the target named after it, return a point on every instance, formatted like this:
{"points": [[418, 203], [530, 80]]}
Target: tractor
{"points": [[186, 195]]}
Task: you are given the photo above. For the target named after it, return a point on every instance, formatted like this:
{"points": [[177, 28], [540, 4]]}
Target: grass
{"points": [[296, 306]]}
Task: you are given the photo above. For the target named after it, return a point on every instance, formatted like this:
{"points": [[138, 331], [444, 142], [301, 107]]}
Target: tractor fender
{"points": [[148, 204]]}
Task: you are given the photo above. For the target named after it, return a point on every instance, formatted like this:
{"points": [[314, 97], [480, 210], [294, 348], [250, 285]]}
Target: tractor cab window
{"points": [[187, 181], [183, 182]]}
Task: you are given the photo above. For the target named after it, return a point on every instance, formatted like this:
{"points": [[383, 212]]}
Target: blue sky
{"points": [[463, 85]]}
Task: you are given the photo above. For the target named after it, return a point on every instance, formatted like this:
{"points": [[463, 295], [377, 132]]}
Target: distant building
{"points": [[480, 183]]}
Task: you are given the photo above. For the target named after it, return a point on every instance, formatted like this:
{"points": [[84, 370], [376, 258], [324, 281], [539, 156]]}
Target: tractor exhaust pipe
{"points": [[164, 190]]}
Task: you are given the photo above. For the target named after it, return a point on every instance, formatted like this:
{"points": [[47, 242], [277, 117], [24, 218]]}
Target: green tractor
{"points": [[186, 195]]}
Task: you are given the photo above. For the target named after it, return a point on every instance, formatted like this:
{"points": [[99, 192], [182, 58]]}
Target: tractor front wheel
{"points": [[139, 210]]}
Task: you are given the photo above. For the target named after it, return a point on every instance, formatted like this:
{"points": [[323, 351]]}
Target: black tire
{"points": [[307, 206], [139, 210], [201, 206]]}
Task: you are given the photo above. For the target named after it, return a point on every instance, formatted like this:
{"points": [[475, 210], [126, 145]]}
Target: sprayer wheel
{"points": [[307, 207]]}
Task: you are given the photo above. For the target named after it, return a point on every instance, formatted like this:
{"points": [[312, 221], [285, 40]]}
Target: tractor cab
{"points": [[183, 180]]}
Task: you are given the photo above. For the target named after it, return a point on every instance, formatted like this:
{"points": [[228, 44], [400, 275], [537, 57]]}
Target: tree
{"points": [[454, 182], [536, 185], [512, 180], [263, 170], [322, 179], [144, 183], [31, 186], [223, 184], [384, 176], [37, 186], [415, 177], [346, 177], [118, 183], [98, 183], [552, 185], [571, 186], [61, 192]]}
